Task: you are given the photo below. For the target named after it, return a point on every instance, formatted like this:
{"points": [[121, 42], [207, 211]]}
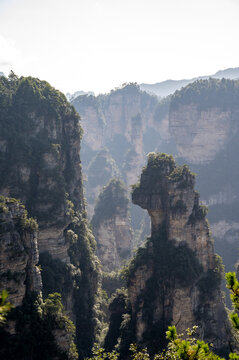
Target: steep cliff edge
{"points": [[117, 121], [175, 278], [40, 164], [19, 255], [203, 122], [202, 118], [34, 328], [111, 226], [198, 124], [100, 170]]}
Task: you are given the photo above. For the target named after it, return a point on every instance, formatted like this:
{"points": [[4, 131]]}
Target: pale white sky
{"points": [[100, 44]]}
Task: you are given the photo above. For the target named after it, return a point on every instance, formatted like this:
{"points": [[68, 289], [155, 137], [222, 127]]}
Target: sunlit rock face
{"points": [[175, 278], [199, 135]]}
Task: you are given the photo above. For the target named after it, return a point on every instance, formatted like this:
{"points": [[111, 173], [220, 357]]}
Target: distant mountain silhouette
{"points": [[168, 87]]}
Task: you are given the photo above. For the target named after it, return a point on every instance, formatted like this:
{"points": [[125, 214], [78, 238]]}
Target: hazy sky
{"points": [[100, 44]]}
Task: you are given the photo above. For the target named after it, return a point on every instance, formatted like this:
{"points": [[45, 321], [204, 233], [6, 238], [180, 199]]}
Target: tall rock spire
{"points": [[175, 279]]}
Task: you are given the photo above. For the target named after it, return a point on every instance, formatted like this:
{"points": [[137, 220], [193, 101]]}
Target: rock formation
{"points": [[116, 121], [203, 122], [40, 164], [127, 123], [19, 256], [100, 170], [28, 321], [175, 278], [198, 124], [111, 226]]}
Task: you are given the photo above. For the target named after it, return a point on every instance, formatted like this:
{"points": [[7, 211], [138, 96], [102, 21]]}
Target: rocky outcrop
{"points": [[40, 164], [111, 226], [199, 135], [19, 274], [198, 124], [175, 279], [101, 169], [203, 122], [134, 158], [128, 123], [112, 121]]}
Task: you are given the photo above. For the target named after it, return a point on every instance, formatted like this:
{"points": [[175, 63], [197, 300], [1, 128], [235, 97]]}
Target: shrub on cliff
{"points": [[178, 348], [212, 93], [112, 198]]}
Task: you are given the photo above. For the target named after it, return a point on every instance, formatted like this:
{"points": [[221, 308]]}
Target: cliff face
{"points": [[28, 322], [19, 256], [117, 122], [100, 170], [203, 122], [40, 157], [40, 164], [198, 124], [199, 135], [111, 226], [127, 123], [176, 278]]}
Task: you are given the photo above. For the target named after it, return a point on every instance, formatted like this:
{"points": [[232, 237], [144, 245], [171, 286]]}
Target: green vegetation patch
{"points": [[206, 94], [36, 324], [112, 199]]}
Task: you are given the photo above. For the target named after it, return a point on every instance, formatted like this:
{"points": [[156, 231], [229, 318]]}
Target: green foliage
{"points": [[101, 169], [185, 268], [112, 281], [184, 271], [56, 275], [33, 120], [5, 306], [161, 171], [25, 223], [199, 212], [28, 223], [211, 280], [100, 354], [233, 286], [111, 200], [159, 164], [179, 347], [85, 285], [37, 322], [117, 308], [182, 176], [206, 94]]}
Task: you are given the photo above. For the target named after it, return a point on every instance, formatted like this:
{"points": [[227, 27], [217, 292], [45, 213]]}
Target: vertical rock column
{"points": [[176, 278]]}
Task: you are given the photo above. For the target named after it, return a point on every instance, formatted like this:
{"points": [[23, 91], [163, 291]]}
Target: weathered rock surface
{"points": [[100, 171], [199, 124], [40, 164], [19, 256], [111, 226], [176, 278], [199, 135], [117, 122], [203, 122]]}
